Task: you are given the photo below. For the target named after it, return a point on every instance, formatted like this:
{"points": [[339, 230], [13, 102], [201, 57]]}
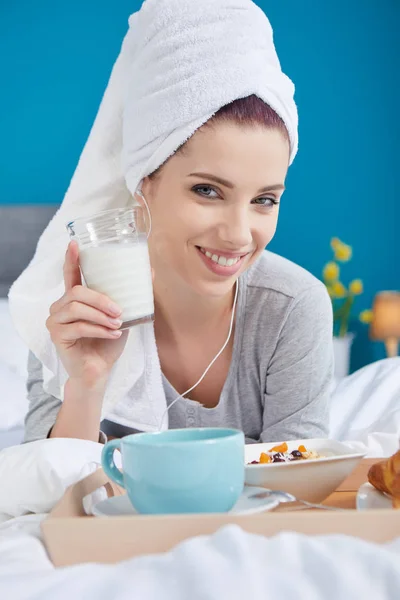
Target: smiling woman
{"points": [[246, 332], [214, 208]]}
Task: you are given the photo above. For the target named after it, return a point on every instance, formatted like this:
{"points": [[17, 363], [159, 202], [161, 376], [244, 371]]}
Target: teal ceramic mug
{"points": [[179, 470]]}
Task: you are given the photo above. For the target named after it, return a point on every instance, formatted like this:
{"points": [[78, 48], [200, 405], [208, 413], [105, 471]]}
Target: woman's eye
{"points": [[267, 202], [205, 190]]}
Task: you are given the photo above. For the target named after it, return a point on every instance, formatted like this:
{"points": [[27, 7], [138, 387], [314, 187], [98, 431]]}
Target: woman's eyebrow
{"points": [[228, 184]]}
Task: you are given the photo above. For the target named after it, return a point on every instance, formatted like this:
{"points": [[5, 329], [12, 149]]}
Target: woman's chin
{"points": [[212, 289]]}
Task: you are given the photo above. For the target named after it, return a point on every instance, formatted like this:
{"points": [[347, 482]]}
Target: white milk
{"points": [[122, 272]]}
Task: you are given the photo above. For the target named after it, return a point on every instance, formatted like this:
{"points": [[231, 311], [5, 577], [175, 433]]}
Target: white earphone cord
{"points": [[139, 192], [211, 363]]}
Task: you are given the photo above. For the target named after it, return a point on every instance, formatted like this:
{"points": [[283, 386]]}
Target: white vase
{"points": [[341, 354]]}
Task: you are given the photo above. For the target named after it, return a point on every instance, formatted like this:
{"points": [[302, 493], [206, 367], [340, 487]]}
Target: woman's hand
{"points": [[84, 327]]}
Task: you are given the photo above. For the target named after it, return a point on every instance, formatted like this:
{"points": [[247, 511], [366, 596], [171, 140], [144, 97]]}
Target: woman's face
{"points": [[215, 205]]}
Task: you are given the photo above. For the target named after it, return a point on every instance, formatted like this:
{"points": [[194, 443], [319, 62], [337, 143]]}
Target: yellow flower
{"points": [[335, 242], [331, 271], [356, 287], [338, 290], [366, 316], [343, 252]]}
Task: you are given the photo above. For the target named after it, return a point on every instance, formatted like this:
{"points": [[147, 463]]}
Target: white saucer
{"points": [[369, 498], [120, 505]]}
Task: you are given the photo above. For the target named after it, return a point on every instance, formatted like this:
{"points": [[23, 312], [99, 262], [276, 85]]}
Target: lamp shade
{"points": [[386, 316]]}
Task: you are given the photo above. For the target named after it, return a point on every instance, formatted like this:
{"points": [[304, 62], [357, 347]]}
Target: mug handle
{"points": [[108, 464]]}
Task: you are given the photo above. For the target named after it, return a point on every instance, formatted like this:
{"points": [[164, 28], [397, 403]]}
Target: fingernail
{"points": [[116, 322], [116, 333], [114, 309]]}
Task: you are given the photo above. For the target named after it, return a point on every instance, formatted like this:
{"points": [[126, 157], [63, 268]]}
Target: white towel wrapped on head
{"points": [[180, 62]]}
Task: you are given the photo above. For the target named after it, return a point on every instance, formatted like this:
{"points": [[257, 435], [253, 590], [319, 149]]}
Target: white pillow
{"points": [[365, 407], [34, 476]]}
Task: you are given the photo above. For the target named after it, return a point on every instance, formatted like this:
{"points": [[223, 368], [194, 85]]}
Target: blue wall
{"points": [[344, 59]]}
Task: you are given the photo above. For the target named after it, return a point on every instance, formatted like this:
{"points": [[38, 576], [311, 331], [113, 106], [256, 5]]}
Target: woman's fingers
{"points": [[72, 332], [81, 312], [76, 311], [81, 294]]}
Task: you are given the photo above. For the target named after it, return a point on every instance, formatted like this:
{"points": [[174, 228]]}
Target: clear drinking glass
{"points": [[114, 260]]}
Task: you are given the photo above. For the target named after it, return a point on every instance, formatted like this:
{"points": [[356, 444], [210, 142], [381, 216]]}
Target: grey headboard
{"points": [[20, 229]]}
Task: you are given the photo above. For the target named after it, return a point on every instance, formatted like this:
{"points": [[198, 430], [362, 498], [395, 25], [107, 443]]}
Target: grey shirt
{"points": [[278, 383]]}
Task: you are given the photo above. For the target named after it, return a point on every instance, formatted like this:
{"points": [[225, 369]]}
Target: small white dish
{"points": [[312, 480], [369, 498], [121, 506]]}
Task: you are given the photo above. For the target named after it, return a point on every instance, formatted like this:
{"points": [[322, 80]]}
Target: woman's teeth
{"points": [[221, 260]]}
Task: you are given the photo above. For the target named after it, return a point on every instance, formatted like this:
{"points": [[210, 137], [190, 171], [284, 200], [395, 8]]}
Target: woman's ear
{"points": [[141, 196], [146, 187]]}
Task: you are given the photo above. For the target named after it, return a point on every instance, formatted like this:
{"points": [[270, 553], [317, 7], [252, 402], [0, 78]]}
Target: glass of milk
{"points": [[114, 260]]}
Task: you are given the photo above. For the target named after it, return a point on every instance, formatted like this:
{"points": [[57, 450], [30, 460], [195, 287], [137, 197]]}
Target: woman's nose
{"points": [[235, 228]]}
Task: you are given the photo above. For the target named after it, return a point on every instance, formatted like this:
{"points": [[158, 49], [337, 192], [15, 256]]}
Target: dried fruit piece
{"points": [[302, 448], [278, 457], [281, 448], [296, 454], [264, 458]]}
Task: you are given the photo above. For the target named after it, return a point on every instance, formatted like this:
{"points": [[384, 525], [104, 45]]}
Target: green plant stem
{"points": [[345, 315]]}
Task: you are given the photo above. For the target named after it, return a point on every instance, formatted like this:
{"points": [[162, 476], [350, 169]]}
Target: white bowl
{"points": [[312, 480]]}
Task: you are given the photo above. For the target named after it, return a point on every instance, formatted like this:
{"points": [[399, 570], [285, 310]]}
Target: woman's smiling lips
{"points": [[221, 263]]}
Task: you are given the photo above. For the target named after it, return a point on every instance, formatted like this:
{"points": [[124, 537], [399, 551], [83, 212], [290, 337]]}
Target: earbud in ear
{"points": [[140, 193]]}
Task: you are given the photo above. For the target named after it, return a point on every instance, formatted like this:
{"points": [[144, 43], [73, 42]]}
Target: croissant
{"points": [[385, 477]]}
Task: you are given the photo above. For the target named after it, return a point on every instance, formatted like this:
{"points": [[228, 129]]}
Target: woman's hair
{"points": [[249, 111]]}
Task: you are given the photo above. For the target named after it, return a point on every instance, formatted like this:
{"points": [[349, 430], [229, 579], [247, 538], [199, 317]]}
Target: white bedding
{"points": [[230, 564], [365, 407]]}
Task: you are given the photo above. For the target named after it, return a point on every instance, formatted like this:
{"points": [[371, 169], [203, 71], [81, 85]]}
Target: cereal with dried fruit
{"points": [[281, 453]]}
